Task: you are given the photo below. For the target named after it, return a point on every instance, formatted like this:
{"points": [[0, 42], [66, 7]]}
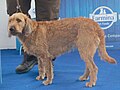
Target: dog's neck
{"points": [[22, 38]]}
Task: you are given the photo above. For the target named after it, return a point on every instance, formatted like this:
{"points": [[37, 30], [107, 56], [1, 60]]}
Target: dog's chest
{"points": [[29, 47]]}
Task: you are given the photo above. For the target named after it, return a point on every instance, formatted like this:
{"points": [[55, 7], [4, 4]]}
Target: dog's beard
{"points": [[13, 33]]}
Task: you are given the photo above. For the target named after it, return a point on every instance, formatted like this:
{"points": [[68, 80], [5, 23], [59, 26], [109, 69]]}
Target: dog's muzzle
{"points": [[13, 30]]}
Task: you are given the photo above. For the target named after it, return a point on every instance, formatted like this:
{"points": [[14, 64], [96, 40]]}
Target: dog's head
{"points": [[19, 24]]}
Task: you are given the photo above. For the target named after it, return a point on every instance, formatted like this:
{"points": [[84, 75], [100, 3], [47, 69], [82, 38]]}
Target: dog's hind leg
{"points": [[91, 68], [87, 43], [87, 47], [93, 72], [87, 55]]}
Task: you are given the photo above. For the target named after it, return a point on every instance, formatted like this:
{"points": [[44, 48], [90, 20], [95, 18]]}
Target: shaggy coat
{"points": [[49, 39]]}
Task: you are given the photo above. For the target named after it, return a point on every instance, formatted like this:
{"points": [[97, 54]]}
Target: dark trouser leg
{"points": [[12, 4]]}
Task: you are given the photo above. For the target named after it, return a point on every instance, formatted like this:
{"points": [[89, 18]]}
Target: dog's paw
{"points": [[39, 78], [90, 84], [83, 78], [47, 82]]}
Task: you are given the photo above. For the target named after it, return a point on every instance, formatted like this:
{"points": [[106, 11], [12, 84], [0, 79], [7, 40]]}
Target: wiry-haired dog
{"points": [[48, 39]]}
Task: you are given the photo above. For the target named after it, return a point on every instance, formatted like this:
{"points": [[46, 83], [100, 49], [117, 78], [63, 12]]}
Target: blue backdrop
{"points": [[105, 12]]}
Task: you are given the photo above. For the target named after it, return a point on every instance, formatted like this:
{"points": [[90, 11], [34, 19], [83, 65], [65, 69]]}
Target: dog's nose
{"points": [[12, 29]]}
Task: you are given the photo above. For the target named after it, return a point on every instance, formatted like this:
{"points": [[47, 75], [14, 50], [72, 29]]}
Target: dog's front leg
{"points": [[41, 69], [45, 69], [49, 72]]}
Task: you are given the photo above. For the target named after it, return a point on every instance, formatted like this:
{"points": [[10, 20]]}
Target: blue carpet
{"points": [[67, 69]]}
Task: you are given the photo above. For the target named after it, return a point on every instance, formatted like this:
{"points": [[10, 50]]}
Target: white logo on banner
{"points": [[104, 16]]}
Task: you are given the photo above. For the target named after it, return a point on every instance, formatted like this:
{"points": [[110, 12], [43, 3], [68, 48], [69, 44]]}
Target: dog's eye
{"points": [[18, 20]]}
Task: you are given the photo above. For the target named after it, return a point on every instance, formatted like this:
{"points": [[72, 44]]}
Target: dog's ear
{"points": [[28, 26]]}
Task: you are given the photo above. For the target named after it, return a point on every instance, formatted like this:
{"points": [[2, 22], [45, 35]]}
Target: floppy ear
{"points": [[28, 26]]}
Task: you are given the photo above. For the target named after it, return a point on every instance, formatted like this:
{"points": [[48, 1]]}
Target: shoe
{"points": [[25, 67], [28, 63]]}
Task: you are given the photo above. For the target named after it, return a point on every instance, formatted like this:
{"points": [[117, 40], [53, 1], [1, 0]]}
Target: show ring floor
{"points": [[67, 69]]}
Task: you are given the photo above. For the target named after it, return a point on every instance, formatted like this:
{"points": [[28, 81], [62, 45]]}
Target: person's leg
{"points": [[12, 4], [47, 10], [29, 60]]}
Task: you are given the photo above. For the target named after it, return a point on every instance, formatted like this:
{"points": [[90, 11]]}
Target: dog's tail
{"points": [[102, 49]]}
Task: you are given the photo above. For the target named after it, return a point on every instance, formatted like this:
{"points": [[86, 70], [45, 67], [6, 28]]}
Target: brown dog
{"points": [[48, 39]]}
